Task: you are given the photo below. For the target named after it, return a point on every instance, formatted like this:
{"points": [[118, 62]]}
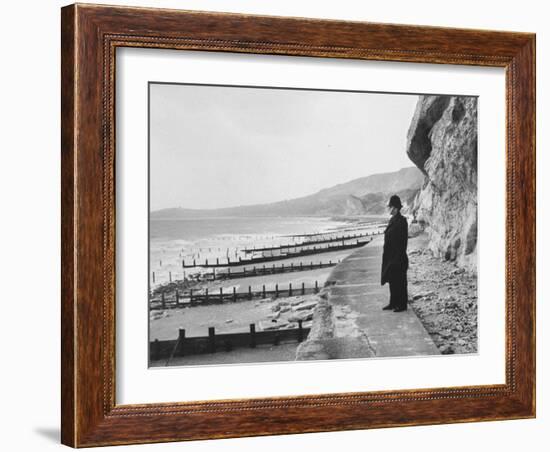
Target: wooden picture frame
{"points": [[90, 35]]}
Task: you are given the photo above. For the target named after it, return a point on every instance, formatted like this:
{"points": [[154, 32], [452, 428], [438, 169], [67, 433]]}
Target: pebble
{"points": [[450, 318]]}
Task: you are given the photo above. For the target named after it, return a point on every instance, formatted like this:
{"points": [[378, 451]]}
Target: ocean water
{"points": [[171, 241]]}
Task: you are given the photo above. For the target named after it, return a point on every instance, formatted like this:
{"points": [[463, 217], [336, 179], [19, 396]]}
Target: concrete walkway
{"points": [[350, 322]]}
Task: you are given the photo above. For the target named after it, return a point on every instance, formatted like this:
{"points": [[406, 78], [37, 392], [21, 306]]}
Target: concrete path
{"points": [[351, 322]]}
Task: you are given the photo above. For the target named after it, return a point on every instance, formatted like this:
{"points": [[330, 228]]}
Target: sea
{"points": [[173, 242]]}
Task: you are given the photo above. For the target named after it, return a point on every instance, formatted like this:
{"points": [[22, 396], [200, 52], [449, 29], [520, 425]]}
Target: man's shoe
{"points": [[400, 309], [387, 308]]}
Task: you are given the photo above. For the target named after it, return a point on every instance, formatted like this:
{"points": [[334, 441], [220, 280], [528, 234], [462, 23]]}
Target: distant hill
{"points": [[366, 195], [376, 203]]}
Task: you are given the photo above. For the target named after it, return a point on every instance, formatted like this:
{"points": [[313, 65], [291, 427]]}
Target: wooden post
{"points": [[250, 292], [228, 345], [163, 301], [292, 266], [214, 274], [156, 350], [263, 291], [316, 286], [183, 263], [252, 335], [206, 293], [181, 338], [300, 331], [254, 270], [207, 262], [311, 265], [289, 289], [330, 262], [170, 276], [244, 271], [234, 294], [194, 263], [221, 294], [303, 288], [191, 296], [211, 339], [276, 290], [177, 298], [217, 261], [153, 277]]}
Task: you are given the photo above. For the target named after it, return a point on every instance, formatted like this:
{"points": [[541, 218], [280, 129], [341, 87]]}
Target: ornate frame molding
{"points": [[90, 37]]}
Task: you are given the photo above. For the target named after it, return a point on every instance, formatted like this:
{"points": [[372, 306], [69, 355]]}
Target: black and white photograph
{"points": [[294, 224]]}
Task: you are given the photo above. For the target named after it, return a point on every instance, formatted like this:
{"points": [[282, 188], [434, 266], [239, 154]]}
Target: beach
{"points": [[283, 294], [296, 278]]}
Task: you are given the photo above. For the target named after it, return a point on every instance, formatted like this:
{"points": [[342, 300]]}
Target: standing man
{"points": [[394, 258]]}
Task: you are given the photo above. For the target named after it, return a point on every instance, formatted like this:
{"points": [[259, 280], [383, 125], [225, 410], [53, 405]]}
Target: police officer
{"points": [[394, 258]]}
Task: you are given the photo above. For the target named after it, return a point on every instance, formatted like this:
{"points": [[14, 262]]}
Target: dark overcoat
{"points": [[394, 257]]}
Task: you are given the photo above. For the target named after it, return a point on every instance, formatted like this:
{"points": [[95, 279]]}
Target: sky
{"points": [[214, 146]]}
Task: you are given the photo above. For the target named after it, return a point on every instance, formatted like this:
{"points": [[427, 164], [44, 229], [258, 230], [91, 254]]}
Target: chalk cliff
{"points": [[442, 143]]}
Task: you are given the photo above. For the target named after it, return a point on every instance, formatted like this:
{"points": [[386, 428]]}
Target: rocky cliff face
{"points": [[442, 142], [376, 203]]}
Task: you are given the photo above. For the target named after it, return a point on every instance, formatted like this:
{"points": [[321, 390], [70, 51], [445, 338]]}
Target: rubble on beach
{"points": [[444, 297], [287, 312]]}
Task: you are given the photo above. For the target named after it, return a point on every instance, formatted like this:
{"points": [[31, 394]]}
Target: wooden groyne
{"points": [[335, 231], [260, 270], [184, 346], [258, 260], [206, 297], [295, 246], [268, 270]]}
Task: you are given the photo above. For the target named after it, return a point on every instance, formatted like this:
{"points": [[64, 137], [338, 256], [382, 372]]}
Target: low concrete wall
{"points": [[327, 340], [322, 331]]}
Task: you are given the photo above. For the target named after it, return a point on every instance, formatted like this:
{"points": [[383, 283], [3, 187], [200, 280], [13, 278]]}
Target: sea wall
{"points": [[442, 143], [317, 347]]}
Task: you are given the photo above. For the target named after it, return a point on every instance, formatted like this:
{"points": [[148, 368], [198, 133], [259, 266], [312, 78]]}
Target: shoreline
{"points": [[172, 244], [235, 317], [442, 296]]}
